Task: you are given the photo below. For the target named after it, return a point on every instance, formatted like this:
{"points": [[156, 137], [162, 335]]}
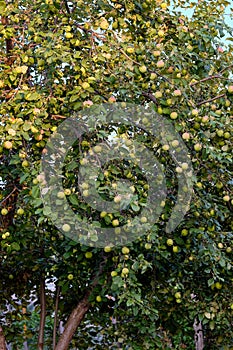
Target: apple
{"points": [[194, 112], [218, 285], [170, 242], [175, 143], [142, 69], [143, 219], [8, 145], [114, 273], [186, 136], [165, 147], [88, 255], [104, 24], [60, 195], [184, 232], [67, 192], [226, 198], [177, 295], [4, 211], [179, 170], [160, 64], [160, 33], [226, 135], [70, 276], [228, 250], [117, 199], [178, 301], [177, 93], [25, 164], [158, 94], [125, 271], [163, 6], [85, 85], [173, 115], [125, 250], [66, 228], [97, 149], [115, 222], [230, 89], [175, 249], [197, 147], [205, 119], [130, 50], [219, 132], [156, 53], [107, 249], [184, 166], [103, 214], [117, 230], [20, 211], [220, 245]]}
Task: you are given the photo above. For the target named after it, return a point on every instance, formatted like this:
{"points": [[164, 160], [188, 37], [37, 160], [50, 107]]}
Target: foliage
{"points": [[61, 57]]}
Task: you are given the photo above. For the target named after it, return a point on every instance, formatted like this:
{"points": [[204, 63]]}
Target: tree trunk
{"points": [[2, 340], [198, 337], [42, 314], [73, 322]]}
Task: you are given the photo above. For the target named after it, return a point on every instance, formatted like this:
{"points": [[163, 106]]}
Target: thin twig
{"points": [[56, 317], [210, 99]]}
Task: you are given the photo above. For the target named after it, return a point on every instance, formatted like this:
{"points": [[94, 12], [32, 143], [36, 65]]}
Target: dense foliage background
{"points": [[61, 57]]}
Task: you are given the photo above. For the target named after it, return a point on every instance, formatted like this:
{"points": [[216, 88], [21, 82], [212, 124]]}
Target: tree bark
{"points": [[56, 318], [198, 337], [42, 315], [2, 340], [73, 322]]}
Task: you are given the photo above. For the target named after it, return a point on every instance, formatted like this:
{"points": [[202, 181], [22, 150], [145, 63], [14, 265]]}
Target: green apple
{"points": [[70, 276], [114, 273], [60, 195], [88, 255], [177, 93], [85, 85], [156, 53], [218, 285], [98, 298], [143, 219], [142, 69], [103, 214], [20, 211], [125, 271], [175, 143], [115, 222], [117, 199], [4, 211], [195, 112], [175, 249], [177, 295], [161, 33], [66, 228], [226, 198], [230, 89], [186, 136], [198, 147], [97, 149], [125, 250], [158, 94], [107, 249], [184, 232], [170, 242]]}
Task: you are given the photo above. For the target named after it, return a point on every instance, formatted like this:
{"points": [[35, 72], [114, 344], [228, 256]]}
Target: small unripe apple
{"points": [[177, 295], [175, 249], [158, 94], [107, 249], [114, 273], [88, 255], [70, 276], [143, 219], [66, 228], [153, 76], [117, 199], [195, 112], [20, 211], [175, 143], [115, 222], [220, 245], [148, 246], [4, 211], [125, 271], [97, 149]]}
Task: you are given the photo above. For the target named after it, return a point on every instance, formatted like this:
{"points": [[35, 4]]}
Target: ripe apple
{"points": [[195, 112], [186, 136], [197, 147], [8, 145], [177, 93], [173, 115], [165, 147], [160, 64], [230, 89], [220, 245], [226, 198], [156, 53]]}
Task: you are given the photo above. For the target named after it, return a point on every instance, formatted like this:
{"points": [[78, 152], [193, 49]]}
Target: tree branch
{"points": [[210, 99], [2, 340], [150, 97], [56, 317], [42, 314]]}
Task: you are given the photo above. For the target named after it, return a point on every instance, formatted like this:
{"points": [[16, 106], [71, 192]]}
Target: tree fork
{"points": [[73, 322]]}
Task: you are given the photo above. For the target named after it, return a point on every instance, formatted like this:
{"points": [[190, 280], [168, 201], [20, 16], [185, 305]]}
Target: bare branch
{"points": [[210, 99]]}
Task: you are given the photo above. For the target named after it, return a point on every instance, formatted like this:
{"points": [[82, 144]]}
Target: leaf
{"points": [[15, 246]]}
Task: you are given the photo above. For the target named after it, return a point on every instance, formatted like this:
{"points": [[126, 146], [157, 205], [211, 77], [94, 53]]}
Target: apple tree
{"points": [[163, 289]]}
